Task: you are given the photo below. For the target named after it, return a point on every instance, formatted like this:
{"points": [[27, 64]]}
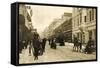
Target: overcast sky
{"points": [[44, 15]]}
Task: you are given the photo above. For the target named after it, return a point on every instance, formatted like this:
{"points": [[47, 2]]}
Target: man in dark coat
{"points": [[36, 45], [75, 47], [43, 44]]}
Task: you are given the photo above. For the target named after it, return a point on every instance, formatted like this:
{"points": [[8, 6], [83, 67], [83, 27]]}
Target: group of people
{"points": [[37, 45], [52, 43], [54, 40], [77, 44], [89, 48]]}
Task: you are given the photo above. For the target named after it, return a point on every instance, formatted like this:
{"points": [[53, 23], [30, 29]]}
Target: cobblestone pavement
{"points": [[62, 53]]}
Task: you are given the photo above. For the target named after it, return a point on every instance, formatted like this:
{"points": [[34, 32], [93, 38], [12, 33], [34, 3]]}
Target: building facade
{"points": [[25, 22], [65, 29], [26, 11], [60, 28], [84, 23], [58, 25]]}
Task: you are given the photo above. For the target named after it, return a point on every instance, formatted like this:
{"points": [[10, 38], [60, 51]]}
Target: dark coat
{"points": [[89, 47], [53, 44], [75, 41], [90, 43], [44, 41], [36, 44]]}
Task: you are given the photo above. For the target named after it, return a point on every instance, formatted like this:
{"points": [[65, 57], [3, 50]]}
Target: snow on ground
{"points": [[62, 53]]}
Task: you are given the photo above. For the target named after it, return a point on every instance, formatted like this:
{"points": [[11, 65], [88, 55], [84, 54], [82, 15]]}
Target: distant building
{"points": [[84, 23], [49, 31], [65, 29], [58, 25]]}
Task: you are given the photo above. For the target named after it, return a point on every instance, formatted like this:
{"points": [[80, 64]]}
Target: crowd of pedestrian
{"points": [[89, 48]]}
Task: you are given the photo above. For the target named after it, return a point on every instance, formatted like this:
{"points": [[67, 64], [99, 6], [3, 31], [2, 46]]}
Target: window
{"points": [[84, 18], [90, 15], [95, 13]]}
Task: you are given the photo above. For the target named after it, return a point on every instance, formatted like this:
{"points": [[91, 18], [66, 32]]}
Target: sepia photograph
{"points": [[51, 33]]}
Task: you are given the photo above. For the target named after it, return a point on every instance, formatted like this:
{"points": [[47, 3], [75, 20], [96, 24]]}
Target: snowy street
{"points": [[62, 53]]}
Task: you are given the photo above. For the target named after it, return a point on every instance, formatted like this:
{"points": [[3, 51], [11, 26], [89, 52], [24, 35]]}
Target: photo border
{"points": [[57, 5]]}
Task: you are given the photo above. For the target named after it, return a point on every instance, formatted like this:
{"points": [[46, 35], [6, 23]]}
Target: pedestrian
{"points": [[30, 46], [53, 43], [80, 45], [36, 45], [90, 46], [75, 47], [43, 44], [40, 48], [55, 46]]}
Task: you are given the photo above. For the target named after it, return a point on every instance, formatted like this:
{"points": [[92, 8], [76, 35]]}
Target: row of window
{"points": [[90, 16]]}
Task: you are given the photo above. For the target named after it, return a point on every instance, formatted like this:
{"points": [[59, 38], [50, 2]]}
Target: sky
{"points": [[43, 16]]}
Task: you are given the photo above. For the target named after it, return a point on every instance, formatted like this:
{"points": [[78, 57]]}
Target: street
{"points": [[62, 53]]}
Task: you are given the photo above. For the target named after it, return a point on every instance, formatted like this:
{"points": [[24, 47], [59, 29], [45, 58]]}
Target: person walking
{"points": [[75, 47], [36, 45], [43, 44], [53, 43], [80, 45]]}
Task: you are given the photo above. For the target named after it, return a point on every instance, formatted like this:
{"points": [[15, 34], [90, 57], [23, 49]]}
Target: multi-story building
{"points": [[49, 31], [60, 28], [84, 23], [65, 29], [91, 24], [25, 17], [26, 11]]}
